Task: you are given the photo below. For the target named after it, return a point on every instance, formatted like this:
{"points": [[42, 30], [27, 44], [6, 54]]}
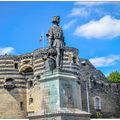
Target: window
{"points": [[83, 63], [26, 62], [97, 103], [117, 86], [28, 70], [78, 82], [94, 83], [16, 65], [74, 59], [30, 101], [30, 84], [38, 76], [21, 106]]}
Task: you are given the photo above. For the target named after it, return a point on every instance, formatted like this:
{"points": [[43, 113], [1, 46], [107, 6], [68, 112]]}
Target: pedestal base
{"points": [[60, 99], [61, 116]]}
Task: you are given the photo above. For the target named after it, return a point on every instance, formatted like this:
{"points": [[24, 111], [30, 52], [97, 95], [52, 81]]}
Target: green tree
{"points": [[114, 76]]}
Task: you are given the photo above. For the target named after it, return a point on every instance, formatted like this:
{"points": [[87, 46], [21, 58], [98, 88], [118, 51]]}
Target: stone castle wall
{"points": [[12, 89], [98, 86], [15, 74], [19, 74]]}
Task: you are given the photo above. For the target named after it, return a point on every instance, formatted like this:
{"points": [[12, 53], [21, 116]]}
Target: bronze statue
{"points": [[56, 40]]}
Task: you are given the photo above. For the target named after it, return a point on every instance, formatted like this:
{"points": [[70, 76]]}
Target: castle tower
{"points": [[12, 88]]}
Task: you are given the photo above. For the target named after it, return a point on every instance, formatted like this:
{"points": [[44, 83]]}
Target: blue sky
{"points": [[92, 27]]}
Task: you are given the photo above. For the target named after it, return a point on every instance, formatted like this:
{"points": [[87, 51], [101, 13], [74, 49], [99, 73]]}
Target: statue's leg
{"points": [[50, 43], [58, 58], [61, 57]]}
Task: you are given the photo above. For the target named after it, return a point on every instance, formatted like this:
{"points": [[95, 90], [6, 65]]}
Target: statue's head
{"points": [[56, 19]]}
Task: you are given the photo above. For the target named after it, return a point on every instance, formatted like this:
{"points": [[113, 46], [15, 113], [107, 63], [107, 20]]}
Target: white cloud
{"points": [[69, 24], [89, 3], [79, 12], [85, 9], [105, 61], [105, 28], [6, 50]]}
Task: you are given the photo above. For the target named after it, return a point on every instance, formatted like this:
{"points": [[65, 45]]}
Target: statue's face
{"points": [[56, 19]]}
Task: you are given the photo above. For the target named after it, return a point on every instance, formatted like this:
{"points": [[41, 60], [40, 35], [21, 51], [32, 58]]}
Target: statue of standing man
{"points": [[56, 41]]}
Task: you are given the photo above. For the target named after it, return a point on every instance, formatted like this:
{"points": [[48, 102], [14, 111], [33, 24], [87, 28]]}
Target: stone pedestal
{"points": [[61, 98], [61, 116]]}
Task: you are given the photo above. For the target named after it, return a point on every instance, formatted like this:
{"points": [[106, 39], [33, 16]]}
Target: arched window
{"points": [[97, 103], [26, 69], [83, 63]]}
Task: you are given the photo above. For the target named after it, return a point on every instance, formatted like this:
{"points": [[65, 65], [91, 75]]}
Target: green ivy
{"points": [[98, 115]]}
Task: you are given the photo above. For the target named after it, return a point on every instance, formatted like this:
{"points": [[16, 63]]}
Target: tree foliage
{"points": [[114, 76]]}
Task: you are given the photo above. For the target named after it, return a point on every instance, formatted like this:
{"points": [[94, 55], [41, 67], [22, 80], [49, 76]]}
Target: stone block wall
{"points": [[14, 103], [98, 86]]}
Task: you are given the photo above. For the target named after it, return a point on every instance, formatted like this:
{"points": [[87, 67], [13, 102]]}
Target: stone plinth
{"points": [[61, 116], [61, 97]]}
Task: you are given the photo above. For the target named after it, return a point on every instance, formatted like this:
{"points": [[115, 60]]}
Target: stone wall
{"points": [[98, 86], [14, 103], [12, 89]]}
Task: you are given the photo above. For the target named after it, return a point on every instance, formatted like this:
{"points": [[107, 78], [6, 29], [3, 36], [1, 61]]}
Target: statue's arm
{"points": [[63, 39], [50, 37]]}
